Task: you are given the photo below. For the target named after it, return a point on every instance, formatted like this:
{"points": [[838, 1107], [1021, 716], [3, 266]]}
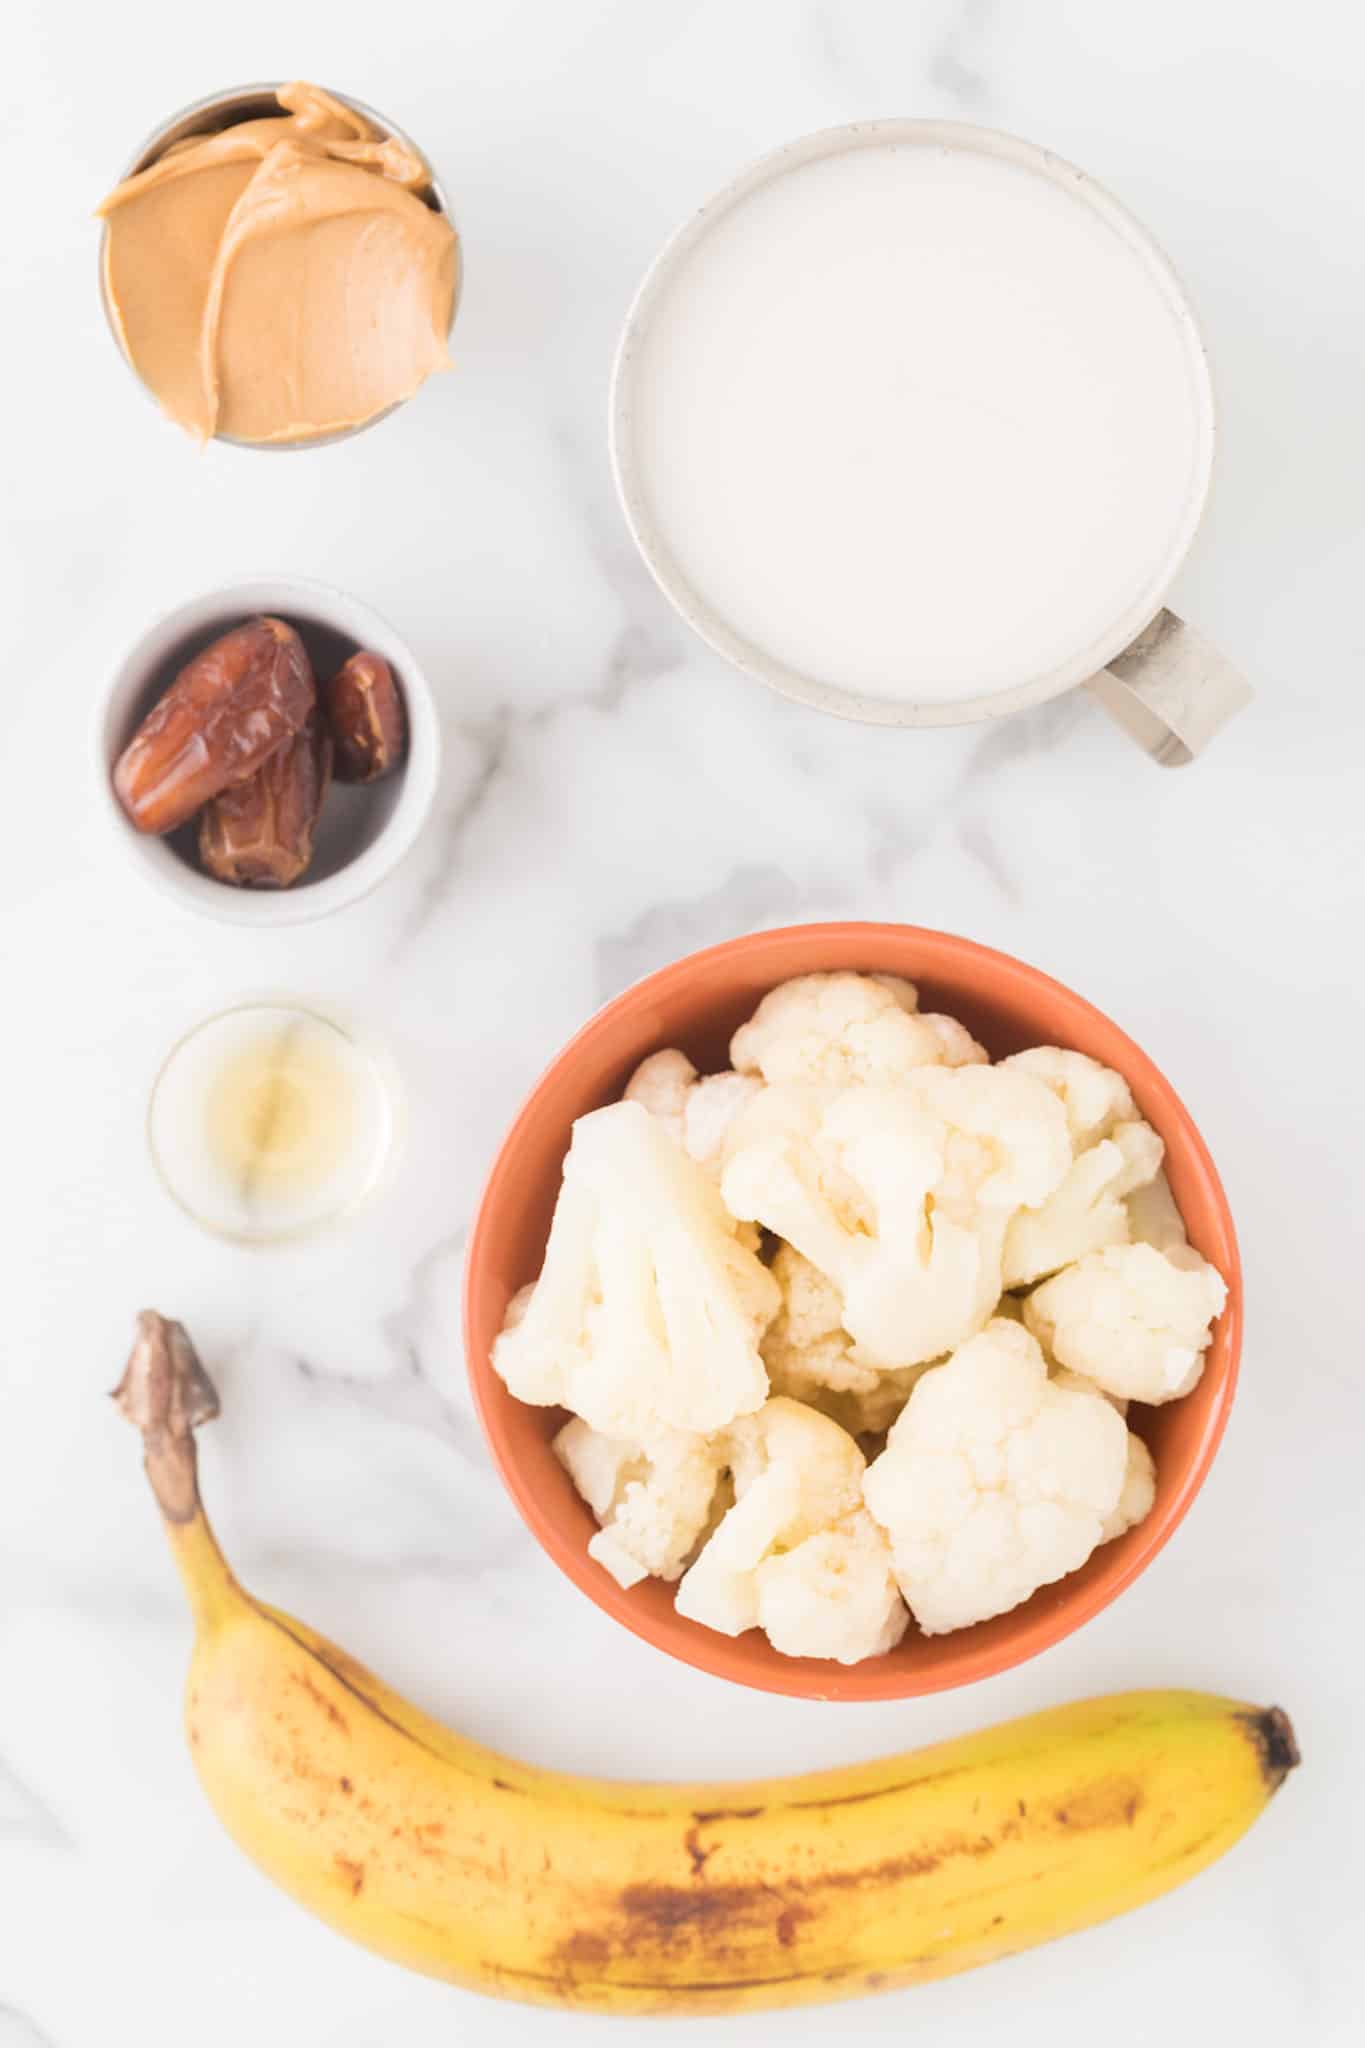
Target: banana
{"points": [[641, 1898]]}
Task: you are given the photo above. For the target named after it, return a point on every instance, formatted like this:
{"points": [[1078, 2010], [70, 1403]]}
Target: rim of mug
{"points": [[199, 117], [708, 623]]}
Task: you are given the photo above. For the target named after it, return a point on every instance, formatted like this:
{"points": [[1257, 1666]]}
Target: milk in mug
{"points": [[921, 421]]}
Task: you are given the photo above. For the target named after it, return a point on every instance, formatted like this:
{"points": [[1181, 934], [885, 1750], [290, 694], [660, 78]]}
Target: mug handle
{"points": [[1171, 690]]}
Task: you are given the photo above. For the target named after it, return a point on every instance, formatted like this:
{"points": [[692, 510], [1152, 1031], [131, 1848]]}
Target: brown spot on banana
{"points": [[788, 1920], [692, 1844], [589, 1951], [1112, 1803], [351, 1873], [320, 1699]]}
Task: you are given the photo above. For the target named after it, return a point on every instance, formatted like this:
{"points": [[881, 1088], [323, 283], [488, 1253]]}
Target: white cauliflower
{"points": [[696, 1110], [1136, 1500], [916, 1191], [648, 1311], [854, 1200], [957, 1047], [653, 1500], [1088, 1211], [810, 1355], [1078, 1383], [994, 1481], [1134, 1320], [901, 1195], [1153, 1217], [838, 1029], [833, 1595], [905, 992], [1139, 1481], [1007, 1145], [1094, 1097], [796, 1549], [661, 1084]]}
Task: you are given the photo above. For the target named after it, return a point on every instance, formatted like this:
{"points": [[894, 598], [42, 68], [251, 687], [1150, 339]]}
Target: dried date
{"points": [[364, 708], [259, 833], [224, 715]]}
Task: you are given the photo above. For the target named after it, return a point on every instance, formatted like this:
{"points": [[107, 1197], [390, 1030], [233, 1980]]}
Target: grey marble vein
{"points": [[652, 639], [24, 1813], [410, 1392], [749, 898], [17, 2030], [1004, 741], [404, 1395], [974, 835], [956, 60], [491, 740]]}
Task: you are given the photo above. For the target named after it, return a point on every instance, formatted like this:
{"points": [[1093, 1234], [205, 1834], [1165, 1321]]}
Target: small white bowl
{"points": [[364, 830]]}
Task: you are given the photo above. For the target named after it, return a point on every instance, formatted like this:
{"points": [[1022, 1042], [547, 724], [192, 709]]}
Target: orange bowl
{"points": [[696, 1004]]}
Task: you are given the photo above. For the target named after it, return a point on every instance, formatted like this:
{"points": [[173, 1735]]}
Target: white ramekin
{"points": [[358, 847]]}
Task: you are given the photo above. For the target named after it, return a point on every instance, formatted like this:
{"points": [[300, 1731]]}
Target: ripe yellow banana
{"points": [[637, 1898]]}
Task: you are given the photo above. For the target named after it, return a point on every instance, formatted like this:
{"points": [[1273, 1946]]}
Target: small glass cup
{"points": [[271, 1120]]}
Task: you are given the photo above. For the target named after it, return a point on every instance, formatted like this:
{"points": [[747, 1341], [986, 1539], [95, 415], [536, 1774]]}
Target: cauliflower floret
{"points": [[697, 1111], [905, 992], [648, 1312], [872, 1412], [1094, 1097], [1008, 1139], [797, 1476], [806, 1346], [1139, 1483], [1153, 1217], [994, 1481], [1135, 1320], [653, 1500], [1079, 1384], [837, 1029], [957, 1047], [810, 1355], [901, 1195], [1136, 1500], [712, 1109], [1088, 1211], [834, 1595], [960, 1049], [661, 1084], [854, 1199]]}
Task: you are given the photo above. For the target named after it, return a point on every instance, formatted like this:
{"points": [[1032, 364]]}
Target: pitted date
{"points": [[224, 715], [259, 833], [364, 708]]}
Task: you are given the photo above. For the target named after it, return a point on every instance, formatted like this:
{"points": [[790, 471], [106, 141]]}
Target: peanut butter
{"points": [[281, 279]]}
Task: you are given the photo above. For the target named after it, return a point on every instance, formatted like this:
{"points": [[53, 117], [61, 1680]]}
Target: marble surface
{"points": [[614, 797]]}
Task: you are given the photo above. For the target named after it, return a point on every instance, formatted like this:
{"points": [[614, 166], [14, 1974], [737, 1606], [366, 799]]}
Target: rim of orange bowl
{"points": [[870, 1681]]}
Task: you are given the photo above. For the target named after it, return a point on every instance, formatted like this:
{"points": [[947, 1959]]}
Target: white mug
{"points": [[1160, 679]]}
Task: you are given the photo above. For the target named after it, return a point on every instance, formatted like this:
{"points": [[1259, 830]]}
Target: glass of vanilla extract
{"points": [[270, 1120]]}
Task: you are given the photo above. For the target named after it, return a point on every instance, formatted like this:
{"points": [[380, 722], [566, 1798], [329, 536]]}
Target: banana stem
{"points": [[166, 1393]]}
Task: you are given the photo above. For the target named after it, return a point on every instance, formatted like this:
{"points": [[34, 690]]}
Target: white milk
{"points": [[920, 422]]}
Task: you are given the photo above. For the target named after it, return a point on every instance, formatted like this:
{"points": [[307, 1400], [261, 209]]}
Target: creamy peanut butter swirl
{"points": [[281, 279]]}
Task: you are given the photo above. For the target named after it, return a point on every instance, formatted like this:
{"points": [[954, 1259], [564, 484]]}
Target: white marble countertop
{"points": [[614, 797]]}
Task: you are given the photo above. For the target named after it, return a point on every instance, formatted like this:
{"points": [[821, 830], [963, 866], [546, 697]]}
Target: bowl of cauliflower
{"points": [[852, 1311]]}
